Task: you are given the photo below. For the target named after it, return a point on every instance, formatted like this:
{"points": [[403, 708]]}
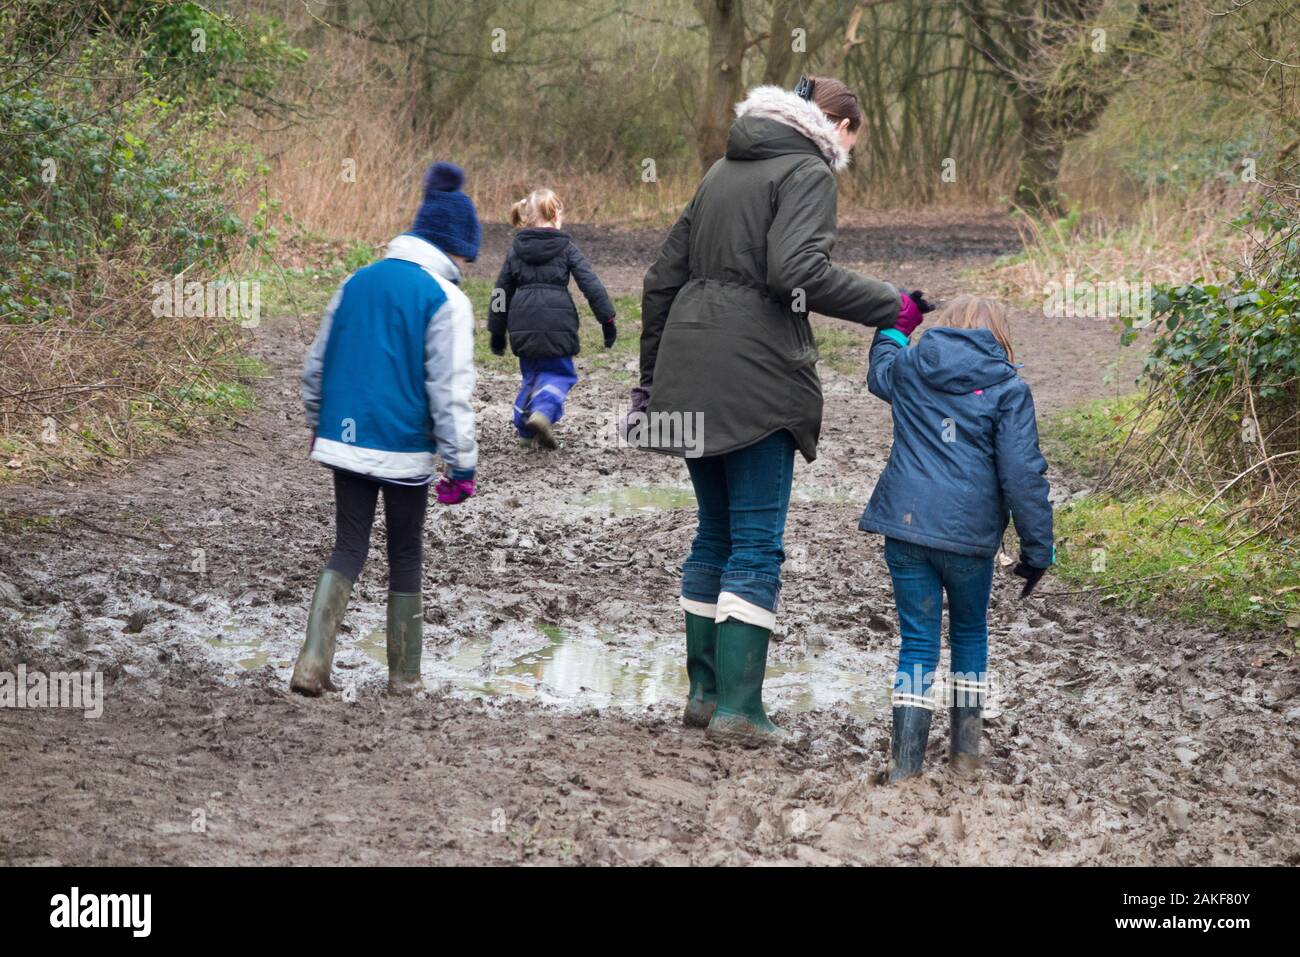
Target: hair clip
{"points": [[804, 88]]}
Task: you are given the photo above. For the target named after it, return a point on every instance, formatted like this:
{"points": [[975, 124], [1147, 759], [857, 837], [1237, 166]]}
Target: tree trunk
{"points": [[786, 16], [437, 98], [1040, 159], [725, 22]]}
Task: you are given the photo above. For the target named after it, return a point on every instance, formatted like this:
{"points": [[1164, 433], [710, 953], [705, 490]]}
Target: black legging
{"points": [[354, 514]]}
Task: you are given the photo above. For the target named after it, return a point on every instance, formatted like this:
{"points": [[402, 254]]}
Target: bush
{"points": [[1222, 409], [1215, 336], [77, 192], [115, 177]]}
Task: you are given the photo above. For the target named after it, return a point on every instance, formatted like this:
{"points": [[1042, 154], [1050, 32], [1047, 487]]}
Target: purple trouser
{"points": [[546, 383]]}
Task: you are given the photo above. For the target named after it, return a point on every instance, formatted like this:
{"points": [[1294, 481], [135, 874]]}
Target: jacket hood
{"points": [[413, 249], [538, 245], [962, 360], [772, 122]]}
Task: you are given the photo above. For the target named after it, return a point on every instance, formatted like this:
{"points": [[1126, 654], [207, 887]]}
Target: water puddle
{"points": [[598, 669], [247, 653], [834, 495], [640, 498], [578, 667], [663, 498]]}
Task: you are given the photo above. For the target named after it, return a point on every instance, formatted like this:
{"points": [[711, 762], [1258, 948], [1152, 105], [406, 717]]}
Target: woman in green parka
{"points": [[729, 367]]}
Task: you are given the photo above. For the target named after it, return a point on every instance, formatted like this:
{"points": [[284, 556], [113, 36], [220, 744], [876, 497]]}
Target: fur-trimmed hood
{"points": [[784, 107]]}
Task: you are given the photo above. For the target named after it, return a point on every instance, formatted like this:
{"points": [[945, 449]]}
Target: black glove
{"points": [[918, 297], [611, 333], [498, 344], [1030, 574]]}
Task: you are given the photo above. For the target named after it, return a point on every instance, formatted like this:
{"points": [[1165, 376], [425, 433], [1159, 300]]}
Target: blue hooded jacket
{"points": [[965, 456]]}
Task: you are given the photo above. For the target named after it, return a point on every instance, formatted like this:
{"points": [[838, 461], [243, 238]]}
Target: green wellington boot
{"points": [[311, 672], [540, 426], [742, 663], [405, 642], [907, 745], [967, 729], [701, 669]]}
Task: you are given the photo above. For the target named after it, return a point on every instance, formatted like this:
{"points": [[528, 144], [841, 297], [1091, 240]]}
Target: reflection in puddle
{"points": [[581, 668], [248, 654], [663, 498], [640, 498], [835, 494], [600, 670]]}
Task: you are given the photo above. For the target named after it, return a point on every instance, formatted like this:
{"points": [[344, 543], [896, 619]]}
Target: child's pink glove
{"points": [[909, 315], [453, 491]]}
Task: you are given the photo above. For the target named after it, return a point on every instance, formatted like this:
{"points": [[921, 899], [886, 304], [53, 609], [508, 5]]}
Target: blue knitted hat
{"points": [[447, 217]]}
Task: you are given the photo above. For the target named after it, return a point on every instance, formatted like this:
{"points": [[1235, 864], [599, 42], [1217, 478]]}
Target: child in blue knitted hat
{"points": [[386, 386], [447, 217]]}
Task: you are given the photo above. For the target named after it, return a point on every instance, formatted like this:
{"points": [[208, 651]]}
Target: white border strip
{"points": [[733, 606], [701, 608]]}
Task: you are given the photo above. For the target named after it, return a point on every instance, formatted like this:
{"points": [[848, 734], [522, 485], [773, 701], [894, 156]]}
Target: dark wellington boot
{"points": [[311, 672], [701, 669], [907, 745]]}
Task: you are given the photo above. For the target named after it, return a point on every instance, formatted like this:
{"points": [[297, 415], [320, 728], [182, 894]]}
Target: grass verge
{"points": [[145, 392], [1165, 549], [623, 359]]}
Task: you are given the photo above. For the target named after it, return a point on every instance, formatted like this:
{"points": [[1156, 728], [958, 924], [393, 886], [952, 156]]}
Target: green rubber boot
{"points": [[311, 672], [405, 642], [907, 744], [742, 663], [702, 669]]}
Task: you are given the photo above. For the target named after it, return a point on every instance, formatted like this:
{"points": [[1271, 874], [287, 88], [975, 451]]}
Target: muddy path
{"points": [[549, 729]]}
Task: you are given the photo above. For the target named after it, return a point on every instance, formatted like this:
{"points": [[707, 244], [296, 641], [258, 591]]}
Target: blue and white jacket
{"points": [[388, 380]]}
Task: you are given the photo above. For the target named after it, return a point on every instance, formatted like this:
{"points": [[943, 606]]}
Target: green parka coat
{"points": [[726, 338]]}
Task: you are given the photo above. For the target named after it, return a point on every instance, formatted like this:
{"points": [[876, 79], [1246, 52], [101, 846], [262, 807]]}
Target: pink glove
{"points": [[451, 491], [909, 315]]}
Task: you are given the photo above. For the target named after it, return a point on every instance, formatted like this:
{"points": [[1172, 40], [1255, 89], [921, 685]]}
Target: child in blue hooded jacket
{"points": [[965, 460], [386, 387]]}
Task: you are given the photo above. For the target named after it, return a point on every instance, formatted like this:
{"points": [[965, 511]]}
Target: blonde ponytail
{"points": [[541, 207]]}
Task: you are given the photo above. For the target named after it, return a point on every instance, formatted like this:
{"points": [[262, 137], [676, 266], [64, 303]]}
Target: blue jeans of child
{"points": [[743, 498], [921, 577], [546, 384]]}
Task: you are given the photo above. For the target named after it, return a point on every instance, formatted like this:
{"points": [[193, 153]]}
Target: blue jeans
{"points": [[546, 384], [921, 577], [743, 498]]}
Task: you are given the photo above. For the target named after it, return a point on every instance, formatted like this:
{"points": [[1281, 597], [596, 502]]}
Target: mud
{"points": [[549, 731]]}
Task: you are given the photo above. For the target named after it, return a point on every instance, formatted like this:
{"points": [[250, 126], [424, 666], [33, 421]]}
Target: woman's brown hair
{"points": [[973, 312], [836, 100]]}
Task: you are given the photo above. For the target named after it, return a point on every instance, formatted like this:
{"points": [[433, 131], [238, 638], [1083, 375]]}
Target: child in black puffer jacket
{"points": [[532, 302]]}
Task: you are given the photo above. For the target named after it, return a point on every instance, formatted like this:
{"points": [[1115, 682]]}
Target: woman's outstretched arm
{"points": [[799, 246]]}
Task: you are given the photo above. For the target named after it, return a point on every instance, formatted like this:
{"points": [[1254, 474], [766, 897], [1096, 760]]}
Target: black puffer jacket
{"points": [[532, 299]]}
